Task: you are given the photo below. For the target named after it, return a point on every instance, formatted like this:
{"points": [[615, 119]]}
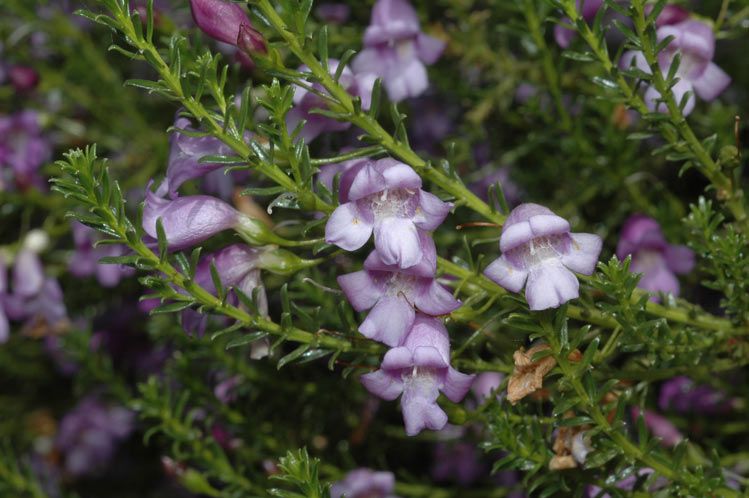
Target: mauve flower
{"points": [[671, 14], [219, 19], [192, 219], [84, 261], [305, 102], [226, 390], [459, 462], [660, 426], [364, 483], [588, 9], [185, 153], [501, 175], [89, 434], [485, 384], [327, 173], [385, 197], [683, 395], [23, 79], [333, 13], [435, 123], [23, 149], [394, 294], [539, 251], [694, 41], [419, 370], [396, 50], [656, 259]]}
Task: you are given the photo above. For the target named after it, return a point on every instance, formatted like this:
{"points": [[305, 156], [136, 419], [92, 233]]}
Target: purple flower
{"points": [[657, 260], [185, 153], [660, 426], [305, 102], [459, 462], [23, 79], [396, 50], [23, 150], [539, 251], [393, 294], [191, 219], [329, 171], [435, 123], [419, 370], [485, 384], [683, 395], [364, 483], [89, 434], [501, 175], [226, 390], [694, 41], [238, 266], [85, 260], [385, 197], [588, 8], [671, 14], [333, 13], [220, 19]]}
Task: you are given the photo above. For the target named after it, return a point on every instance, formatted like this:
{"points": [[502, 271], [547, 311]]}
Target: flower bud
{"points": [[23, 79], [219, 19], [283, 262], [729, 156], [251, 41]]}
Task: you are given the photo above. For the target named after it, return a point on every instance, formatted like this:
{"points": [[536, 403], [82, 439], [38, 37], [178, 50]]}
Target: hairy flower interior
{"points": [[398, 202], [538, 250]]}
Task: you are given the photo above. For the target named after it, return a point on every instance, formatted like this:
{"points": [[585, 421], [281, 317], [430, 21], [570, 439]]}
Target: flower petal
{"points": [[397, 358], [680, 259], [389, 321], [431, 211], [429, 48], [360, 289], [505, 274], [550, 285], [583, 253], [382, 384], [456, 385], [433, 299], [711, 82], [397, 242], [348, 228]]}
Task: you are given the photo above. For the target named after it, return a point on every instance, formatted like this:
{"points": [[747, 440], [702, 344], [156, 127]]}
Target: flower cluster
{"points": [[398, 284]]}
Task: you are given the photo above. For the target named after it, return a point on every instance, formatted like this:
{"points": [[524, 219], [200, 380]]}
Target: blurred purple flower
{"points": [[84, 261], [385, 197], [333, 13], [305, 102], [419, 370], [683, 395], [657, 260], [396, 50], [537, 247], [364, 483], [694, 41], [89, 434], [185, 152], [628, 483], [435, 123], [395, 294], [501, 175], [459, 462], [660, 426], [23, 150], [23, 78], [485, 384]]}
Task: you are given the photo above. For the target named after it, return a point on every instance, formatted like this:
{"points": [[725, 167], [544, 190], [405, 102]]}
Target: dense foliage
{"points": [[367, 249]]}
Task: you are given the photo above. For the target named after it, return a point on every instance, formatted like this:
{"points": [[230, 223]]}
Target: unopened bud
{"points": [[219, 19], [283, 262], [250, 40], [729, 156]]}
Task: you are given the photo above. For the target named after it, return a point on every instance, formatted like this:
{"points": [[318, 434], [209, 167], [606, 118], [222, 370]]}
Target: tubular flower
{"points": [[418, 371], [393, 294], [305, 102], [385, 197], [221, 20], [188, 220], [397, 51], [656, 259], [364, 483], [683, 395], [540, 253], [85, 260], [23, 150], [694, 41]]}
